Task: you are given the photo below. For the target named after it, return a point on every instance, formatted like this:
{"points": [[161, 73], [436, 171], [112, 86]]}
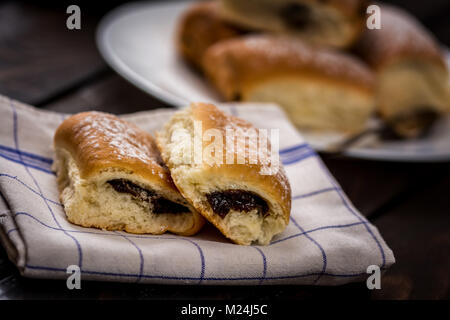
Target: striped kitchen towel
{"points": [[327, 241]]}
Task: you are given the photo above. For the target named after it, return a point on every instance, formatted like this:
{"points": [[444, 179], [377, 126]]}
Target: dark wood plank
{"points": [[374, 186], [39, 56], [418, 231], [111, 94]]}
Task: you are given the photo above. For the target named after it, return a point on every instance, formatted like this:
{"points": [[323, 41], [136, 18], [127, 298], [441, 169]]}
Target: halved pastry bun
{"points": [[246, 205], [110, 176]]}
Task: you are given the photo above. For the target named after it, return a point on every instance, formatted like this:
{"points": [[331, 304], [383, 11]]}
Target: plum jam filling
{"points": [[160, 205], [296, 15], [222, 202]]}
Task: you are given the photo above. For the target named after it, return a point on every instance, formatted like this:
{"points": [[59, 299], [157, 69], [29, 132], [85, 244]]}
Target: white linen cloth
{"points": [[327, 241]]}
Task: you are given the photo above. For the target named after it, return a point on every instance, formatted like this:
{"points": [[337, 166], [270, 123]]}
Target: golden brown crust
{"points": [[401, 37], [232, 65], [99, 141], [200, 27], [277, 185]]}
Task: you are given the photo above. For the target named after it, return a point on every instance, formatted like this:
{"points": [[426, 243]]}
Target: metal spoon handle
{"points": [[343, 146]]}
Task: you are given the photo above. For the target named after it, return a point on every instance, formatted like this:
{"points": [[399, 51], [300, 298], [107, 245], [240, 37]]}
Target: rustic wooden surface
{"points": [[44, 64]]}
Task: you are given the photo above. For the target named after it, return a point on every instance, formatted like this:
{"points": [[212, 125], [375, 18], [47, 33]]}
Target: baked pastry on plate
{"points": [[336, 23], [201, 26], [241, 199], [318, 88], [411, 69], [110, 176]]}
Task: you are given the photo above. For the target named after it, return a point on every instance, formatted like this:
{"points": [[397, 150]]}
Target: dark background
{"points": [[45, 65], [434, 14]]}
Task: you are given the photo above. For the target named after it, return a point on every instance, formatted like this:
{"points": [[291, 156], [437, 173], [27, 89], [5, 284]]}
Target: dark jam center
{"points": [[222, 202], [160, 205], [296, 15]]}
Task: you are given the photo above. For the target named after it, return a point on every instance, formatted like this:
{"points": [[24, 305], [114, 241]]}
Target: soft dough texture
{"points": [[318, 88], [411, 69], [245, 205], [110, 176], [336, 23]]}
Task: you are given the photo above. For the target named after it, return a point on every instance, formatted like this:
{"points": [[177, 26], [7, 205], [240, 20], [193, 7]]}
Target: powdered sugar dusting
{"points": [[400, 34], [284, 53], [268, 160], [122, 140]]}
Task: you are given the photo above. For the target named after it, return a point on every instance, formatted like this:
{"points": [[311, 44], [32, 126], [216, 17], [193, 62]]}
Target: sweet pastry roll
{"points": [[412, 75], [336, 23], [319, 88], [199, 27], [246, 203], [110, 176]]}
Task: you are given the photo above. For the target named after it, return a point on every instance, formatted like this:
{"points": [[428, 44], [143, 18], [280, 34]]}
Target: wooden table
{"points": [[44, 64]]}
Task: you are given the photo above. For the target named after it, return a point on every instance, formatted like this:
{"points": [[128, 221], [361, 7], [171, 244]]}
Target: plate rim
{"points": [[121, 68]]}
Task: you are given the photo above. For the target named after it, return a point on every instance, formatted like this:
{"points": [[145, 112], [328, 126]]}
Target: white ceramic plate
{"points": [[137, 40]]}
